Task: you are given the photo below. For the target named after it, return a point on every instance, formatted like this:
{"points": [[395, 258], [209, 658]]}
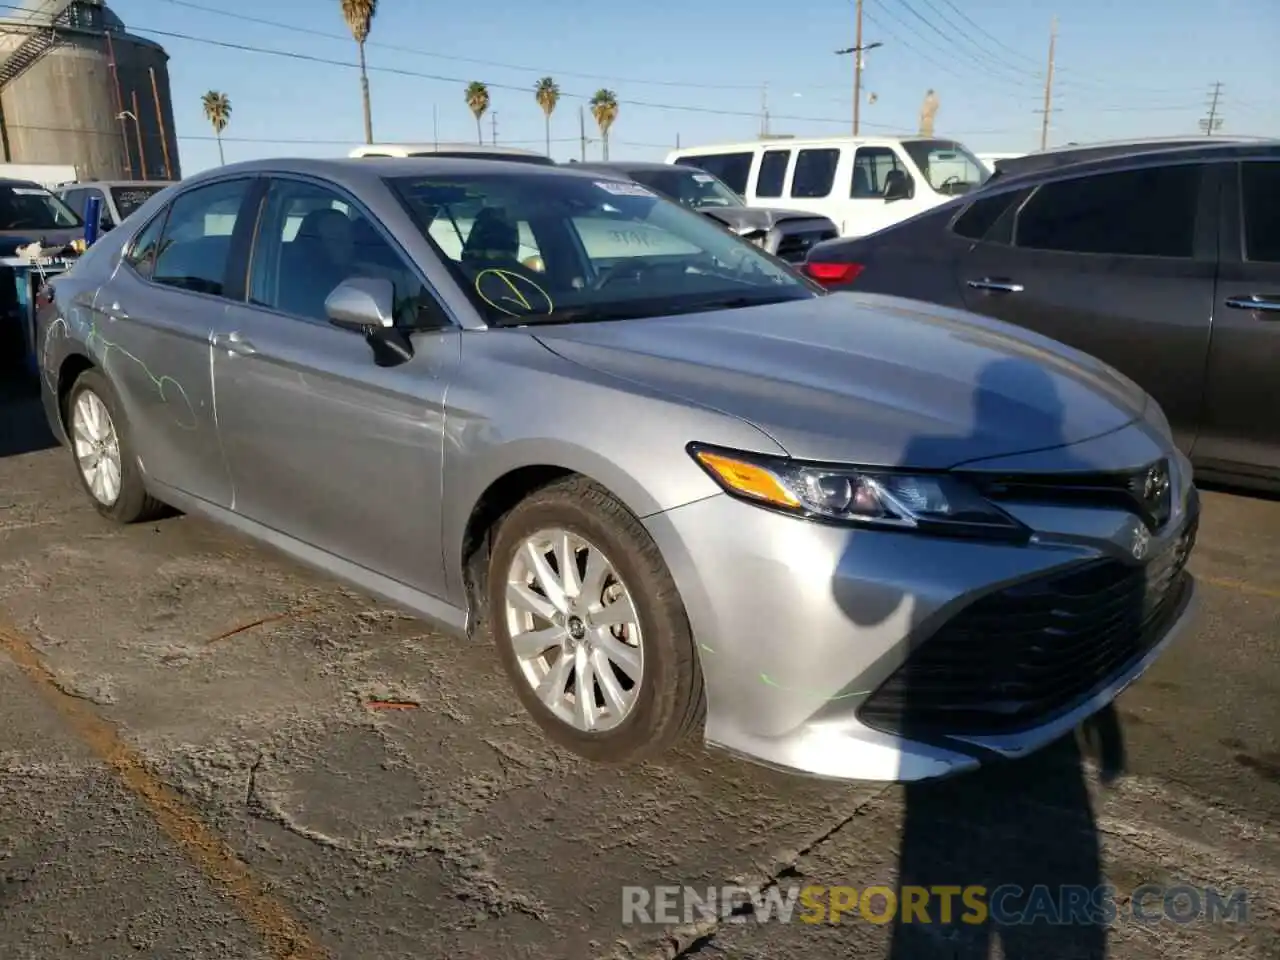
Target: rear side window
{"points": [[870, 167], [1260, 193], [976, 222], [732, 168], [196, 245], [1136, 213], [815, 173], [773, 173]]}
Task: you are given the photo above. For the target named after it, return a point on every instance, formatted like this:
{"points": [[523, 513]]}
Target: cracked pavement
{"points": [[211, 752]]}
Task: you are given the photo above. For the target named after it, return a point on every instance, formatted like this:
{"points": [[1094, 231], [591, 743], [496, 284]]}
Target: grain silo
{"points": [[77, 88]]}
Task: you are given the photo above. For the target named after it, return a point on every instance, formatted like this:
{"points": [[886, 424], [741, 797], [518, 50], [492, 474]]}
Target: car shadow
{"points": [[1022, 830], [23, 428]]}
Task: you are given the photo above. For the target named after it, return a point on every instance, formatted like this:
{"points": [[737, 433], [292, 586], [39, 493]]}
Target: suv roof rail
{"points": [[1074, 154]]}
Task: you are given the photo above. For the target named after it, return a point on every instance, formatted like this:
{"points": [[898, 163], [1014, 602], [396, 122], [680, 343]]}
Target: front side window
{"points": [[815, 173], [773, 173], [1137, 213], [196, 246], [948, 167], [871, 167], [606, 249], [28, 206], [1260, 194], [310, 240], [732, 168]]}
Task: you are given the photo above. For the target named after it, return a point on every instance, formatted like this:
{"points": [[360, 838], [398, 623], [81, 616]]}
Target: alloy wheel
{"points": [[97, 447], [574, 630]]}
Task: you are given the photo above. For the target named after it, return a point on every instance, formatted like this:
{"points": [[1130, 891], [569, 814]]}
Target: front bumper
{"points": [[798, 624]]}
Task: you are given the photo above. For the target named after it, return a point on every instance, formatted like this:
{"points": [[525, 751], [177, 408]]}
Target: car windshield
{"points": [[691, 188], [129, 199], [560, 247], [948, 166], [28, 206]]}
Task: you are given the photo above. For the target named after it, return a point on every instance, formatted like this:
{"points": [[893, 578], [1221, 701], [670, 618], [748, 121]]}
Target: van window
{"points": [[732, 168], [773, 173], [815, 173], [1134, 213], [870, 166]]}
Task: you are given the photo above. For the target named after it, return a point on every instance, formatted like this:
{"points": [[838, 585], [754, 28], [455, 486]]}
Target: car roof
{"points": [[75, 184], [15, 182], [476, 151], [623, 166], [1120, 156], [1120, 151], [792, 143], [360, 172]]}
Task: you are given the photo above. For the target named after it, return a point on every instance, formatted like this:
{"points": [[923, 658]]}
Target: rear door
{"points": [[1241, 431], [1120, 265]]}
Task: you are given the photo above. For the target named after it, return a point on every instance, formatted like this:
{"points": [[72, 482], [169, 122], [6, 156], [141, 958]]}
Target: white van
{"points": [[863, 184]]}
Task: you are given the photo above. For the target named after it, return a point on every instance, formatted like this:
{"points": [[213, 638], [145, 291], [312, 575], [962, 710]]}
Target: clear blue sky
{"points": [[1122, 69]]}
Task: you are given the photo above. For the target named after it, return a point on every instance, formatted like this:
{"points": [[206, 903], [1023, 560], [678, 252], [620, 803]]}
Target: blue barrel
{"points": [[92, 218]]}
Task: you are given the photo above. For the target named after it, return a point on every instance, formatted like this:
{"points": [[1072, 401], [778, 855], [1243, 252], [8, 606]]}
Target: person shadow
{"points": [[1023, 830]]}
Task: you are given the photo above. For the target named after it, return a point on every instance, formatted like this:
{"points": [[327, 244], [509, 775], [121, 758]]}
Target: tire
{"points": [[131, 503], [668, 703]]}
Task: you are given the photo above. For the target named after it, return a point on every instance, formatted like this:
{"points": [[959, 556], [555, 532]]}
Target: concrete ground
{"points": [[209, 752]]}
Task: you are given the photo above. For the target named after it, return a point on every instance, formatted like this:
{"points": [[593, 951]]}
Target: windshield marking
{"points": [[509, 281], [621, 189]]}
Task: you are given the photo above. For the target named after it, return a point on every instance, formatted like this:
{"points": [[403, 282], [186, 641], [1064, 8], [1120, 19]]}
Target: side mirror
{"points": [[901, 187], [366, 305]]}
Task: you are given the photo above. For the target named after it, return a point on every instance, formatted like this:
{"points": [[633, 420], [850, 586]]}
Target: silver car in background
{"points": [[683, 490]]}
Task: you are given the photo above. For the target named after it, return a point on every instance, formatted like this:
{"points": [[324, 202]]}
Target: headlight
{"points": [[929, 502]]}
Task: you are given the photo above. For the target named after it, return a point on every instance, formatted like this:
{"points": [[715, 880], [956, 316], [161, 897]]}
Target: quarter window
{"points": [[1260, 191], [870, 167], [976, 222], [142, 253], [733, 168], [773, 173], [311, 239], [1136, 213], [196, 247], [815, 173]]}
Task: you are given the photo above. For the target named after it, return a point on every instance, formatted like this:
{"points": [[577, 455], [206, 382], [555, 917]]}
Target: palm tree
{"points": [[604, 107], [478, 101], [547, 92], [359, 17], [217, 110]]}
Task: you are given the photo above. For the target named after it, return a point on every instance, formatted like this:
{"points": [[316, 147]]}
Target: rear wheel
{"points": [[105, 462], [590, 627]]}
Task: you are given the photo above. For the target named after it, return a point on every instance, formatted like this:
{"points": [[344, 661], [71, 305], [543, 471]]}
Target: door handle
{"points": [[233, 343], [1265, 303], [116, 312], [996, 285]]}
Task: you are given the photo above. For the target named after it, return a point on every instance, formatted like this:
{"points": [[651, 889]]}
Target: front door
{"points": [[152, 323], [325, 446], [866, 210], [1242, 425], [1119, 265]]}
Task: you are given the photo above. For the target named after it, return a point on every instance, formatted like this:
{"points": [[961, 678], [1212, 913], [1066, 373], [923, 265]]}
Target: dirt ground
{"points": [[210, 752]]}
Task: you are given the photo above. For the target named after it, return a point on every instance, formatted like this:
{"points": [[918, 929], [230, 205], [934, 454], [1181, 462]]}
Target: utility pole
{"points": [[1048, 87], [493, 124], [858, 49], [764, 111], [1212, 122], [582, 133], [435, 125]]}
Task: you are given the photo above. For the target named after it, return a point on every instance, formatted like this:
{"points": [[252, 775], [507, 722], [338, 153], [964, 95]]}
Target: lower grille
{"points": [[794, 247], [1017, 658]]}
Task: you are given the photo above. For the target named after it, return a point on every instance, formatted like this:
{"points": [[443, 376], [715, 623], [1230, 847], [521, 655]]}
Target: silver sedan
{"points": [[683, 490]]}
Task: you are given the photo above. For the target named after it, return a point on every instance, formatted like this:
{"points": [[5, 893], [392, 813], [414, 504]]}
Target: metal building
{"points": [[77, 88]]}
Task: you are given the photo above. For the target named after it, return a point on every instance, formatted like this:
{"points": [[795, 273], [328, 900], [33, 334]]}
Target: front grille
{"points": [[1017, 658], [794, 247]]}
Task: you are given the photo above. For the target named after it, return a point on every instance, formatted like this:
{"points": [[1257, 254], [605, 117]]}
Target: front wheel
{"points": [[590, 627], [99, 439]]}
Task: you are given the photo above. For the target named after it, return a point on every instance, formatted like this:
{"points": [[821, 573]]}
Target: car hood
{"points": [[866, 379], [743, 219]]}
